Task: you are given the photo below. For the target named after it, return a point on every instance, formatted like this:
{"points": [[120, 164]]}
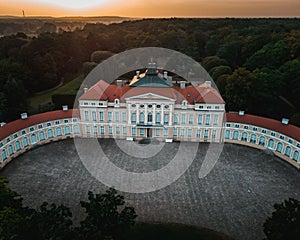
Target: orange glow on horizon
{"points": [[147, 8]]}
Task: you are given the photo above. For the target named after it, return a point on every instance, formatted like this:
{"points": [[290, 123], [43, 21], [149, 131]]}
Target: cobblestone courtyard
{"points": [[235, 198]]}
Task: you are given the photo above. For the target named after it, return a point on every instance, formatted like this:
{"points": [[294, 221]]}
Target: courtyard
{"points": [[234, 198]]}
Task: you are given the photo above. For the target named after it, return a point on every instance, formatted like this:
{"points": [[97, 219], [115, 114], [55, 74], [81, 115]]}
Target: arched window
{"points": [[158, 118], [262, 141], [253, 138], [235, 135], [296, 156], [150, 117], [67, 130], [244, 137], [227, 134], [287, 151], [142, 117], [271, 144], [50, 133], [58, 131], [17, 145], [184, 103], [117, 101], [10, 150], [42, 136], [33, 139], [76, 129], [3, 155], [279, 147], [25, 142]]}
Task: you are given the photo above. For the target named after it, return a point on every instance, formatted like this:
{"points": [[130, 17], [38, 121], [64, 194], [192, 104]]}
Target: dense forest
{"points": [[254, 62]]}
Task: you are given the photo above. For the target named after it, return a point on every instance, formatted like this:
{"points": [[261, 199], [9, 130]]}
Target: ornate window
{"points": [[253, 138], [279, 147], [227, 134], [296, 156], [235, 135], [262, 141], [10, 150], [244, 137], [158, 117], [142, 117], [25, 142], [33, 139], [67, 130], [58, 131], [271, 144], [17, 145], [287, 151]]}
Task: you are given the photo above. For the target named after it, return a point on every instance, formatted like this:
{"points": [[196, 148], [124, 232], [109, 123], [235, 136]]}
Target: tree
{"points": [[238, 90], [272, 55], [8, 198], [231, 50], [51, 222], [88, 67], [213, 61], [216, 72], [99, 56], [15, 95], [104, 215], [285, 221]]}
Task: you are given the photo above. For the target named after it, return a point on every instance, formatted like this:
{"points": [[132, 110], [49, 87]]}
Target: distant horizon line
{"points": [[137, 17]]}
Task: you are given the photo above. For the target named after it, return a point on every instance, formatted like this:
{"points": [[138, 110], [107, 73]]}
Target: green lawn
{"points": [[146, 231], [45, 98]]}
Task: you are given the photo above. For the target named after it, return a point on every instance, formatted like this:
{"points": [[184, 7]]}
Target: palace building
{"points": [[151, 105]]}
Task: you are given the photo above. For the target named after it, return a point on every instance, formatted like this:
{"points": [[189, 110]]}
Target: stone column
{"points": [[137, 114], [153, 115], [146, 114], [129, 113], [170, 116], [162, 114]]}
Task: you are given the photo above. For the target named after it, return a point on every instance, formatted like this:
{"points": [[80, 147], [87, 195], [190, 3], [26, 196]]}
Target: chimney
{"points": [[138, 74], [65, 107], [285, 121], [208, 84], [24, 116], [119, 83], [182, 85], [241, 113], [85, 89], [165, 75], [2, 124]]}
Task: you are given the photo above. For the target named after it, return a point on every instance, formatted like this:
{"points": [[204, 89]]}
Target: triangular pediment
{"points": [[149, 96]]}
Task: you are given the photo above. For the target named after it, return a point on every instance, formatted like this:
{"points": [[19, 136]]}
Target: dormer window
{"points": [[117, 101], [184, 103]]}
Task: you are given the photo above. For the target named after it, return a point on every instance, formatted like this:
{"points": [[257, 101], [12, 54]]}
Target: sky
{"points": [[152, 8]]}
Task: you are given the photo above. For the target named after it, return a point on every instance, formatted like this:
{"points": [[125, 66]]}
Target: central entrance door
{"points": [[149, 132]]}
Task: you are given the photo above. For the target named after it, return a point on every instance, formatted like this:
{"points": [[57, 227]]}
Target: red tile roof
{"points": [[288, 130], [20, 124], [103, 91]]}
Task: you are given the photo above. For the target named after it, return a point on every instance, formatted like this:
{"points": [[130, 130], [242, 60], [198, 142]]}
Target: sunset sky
{"points": [[152, 8]]}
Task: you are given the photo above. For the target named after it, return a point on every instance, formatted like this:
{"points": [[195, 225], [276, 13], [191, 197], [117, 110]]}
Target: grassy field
{"points": [[45, 98], [145, 231]]}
